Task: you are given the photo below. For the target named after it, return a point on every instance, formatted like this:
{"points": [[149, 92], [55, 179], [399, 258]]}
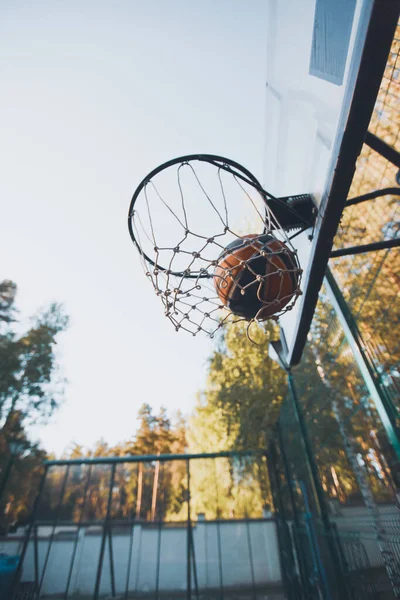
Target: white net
{"points": [[184, 217]]}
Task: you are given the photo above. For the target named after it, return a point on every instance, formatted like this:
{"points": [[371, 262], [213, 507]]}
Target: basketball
{"points": [[256, 276]]}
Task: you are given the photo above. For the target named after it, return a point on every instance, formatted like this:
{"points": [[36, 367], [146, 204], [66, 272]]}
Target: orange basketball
{"points": [[256, 276]]}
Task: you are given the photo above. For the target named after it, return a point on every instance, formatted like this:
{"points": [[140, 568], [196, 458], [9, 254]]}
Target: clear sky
{"points": [[94, 95]]}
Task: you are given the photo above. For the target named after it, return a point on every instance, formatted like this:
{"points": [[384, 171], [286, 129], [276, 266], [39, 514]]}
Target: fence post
{"points": [[104, 537], [32, 519], [189, 552]]}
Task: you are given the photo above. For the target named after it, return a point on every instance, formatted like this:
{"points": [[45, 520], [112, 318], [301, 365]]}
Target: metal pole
{"points": [[196, 582], [159, 525], [249, 547], [317, 486], [139, 554], [390, 191], [362, 249], [18, 571], [158, 560], [382, 148], [111, 554], [36, 556], [188, 558], [253, 580], [104, 537], [383, 404], [64, 484], [71, 568], [219, 543], [206, 553], [128, 572], [109, 460], [314, 545]]}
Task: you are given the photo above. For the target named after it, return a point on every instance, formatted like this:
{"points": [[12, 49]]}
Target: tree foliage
{"points": [[236, 411], [243, 395], [142, 491], [339, 408], [29, 392], [28, 363], [24, 477]]}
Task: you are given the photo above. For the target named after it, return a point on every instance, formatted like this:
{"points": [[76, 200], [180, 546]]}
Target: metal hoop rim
{"points": [[214, 159]]}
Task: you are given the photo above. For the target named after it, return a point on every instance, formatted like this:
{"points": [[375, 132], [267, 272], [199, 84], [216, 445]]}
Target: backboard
{"points": [[325, 63]]}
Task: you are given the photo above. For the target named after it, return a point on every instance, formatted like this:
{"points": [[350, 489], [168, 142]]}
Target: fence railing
{"points": [[156, 526]]}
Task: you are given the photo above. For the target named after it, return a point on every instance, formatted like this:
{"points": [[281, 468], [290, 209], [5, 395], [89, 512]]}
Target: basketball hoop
{"points": [[203, 224]]}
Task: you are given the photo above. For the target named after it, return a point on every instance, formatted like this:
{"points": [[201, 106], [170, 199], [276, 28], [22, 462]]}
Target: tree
{"points": [[29, 391], [245, 389], [147, 490], [28, 364], [160, 487], [237, 410], [8, 291], [24, 476]]}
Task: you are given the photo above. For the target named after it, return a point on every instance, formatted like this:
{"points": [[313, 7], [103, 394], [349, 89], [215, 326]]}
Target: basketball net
{"points": [[182, 218]]}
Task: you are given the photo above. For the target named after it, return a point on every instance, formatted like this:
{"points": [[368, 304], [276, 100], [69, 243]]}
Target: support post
{"points": [[111, 553], [55, 523], [219, 542], [32, 521], [36, 556], [133, 523], [104, 537], [160, 521], [188, 558], [74, 551]]}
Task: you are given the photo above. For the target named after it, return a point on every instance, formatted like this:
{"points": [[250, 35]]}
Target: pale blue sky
{"points": [[94, 95]]}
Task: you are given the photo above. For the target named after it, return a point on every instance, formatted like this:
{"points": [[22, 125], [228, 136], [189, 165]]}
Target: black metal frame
{"points": [[381, 26], [363, 248], [390, 191], [109, 522], [382, 148], [109, 460], [373, 246]]}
